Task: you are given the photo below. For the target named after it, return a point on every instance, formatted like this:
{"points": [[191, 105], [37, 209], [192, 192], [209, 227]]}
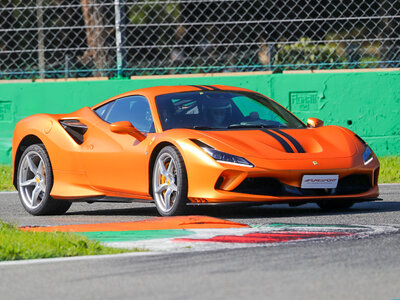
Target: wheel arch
{"points": [[27, 141]]}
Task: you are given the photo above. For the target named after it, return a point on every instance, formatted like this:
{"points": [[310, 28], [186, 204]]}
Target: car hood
{"points": [[323, 142]]}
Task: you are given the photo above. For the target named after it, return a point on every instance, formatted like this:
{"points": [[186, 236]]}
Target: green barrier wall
{"points": [[368, 103]]}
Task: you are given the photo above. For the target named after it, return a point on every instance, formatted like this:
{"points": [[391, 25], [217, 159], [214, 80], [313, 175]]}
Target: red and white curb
{"points": [[255, 236]]}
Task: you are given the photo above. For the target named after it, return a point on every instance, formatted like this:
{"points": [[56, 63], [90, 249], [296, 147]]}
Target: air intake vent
{"points": [[75, 128]]}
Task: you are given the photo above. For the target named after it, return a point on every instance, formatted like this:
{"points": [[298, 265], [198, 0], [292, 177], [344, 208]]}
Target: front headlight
{"points": [[367, 155], [223, 157], [227, 158]]}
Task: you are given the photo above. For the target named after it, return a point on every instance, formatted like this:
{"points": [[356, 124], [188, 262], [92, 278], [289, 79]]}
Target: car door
{"points": [[118, 163]]}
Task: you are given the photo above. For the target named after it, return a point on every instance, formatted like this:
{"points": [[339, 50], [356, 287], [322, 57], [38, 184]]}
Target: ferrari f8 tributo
{"points": [[179, 145]]}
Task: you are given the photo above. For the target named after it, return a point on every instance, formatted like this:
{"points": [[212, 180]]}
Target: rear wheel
{"points": [[170, 182], [335, 204], [34, 182]]}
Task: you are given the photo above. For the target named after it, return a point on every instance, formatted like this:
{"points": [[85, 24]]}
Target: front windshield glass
{"points": [[222, 110]]}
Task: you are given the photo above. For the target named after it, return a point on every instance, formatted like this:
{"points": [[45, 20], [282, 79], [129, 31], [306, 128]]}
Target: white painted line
{"points": [[9, 192], [76, 258]]}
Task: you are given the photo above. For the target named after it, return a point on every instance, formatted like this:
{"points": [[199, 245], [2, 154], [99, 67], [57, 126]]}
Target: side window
{"points": [[103, 110], [135, 109]]}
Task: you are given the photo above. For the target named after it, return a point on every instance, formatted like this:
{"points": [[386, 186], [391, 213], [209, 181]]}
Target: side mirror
{"points": [[125, 127], [314, 123]]}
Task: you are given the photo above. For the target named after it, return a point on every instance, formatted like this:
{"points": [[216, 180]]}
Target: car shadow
{"points": [[308, 210], [135, 211], [248, 212]]}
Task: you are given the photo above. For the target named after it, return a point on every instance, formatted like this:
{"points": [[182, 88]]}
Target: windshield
{"points": [[222, 110]]}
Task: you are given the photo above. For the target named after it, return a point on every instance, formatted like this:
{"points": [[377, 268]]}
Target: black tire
{"points": [[34, 186], [174, 184], [335, 204]]}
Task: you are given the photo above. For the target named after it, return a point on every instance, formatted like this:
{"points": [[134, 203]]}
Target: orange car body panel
{"points": [[118, 165]]}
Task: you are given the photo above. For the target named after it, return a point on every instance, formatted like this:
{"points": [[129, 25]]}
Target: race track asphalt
{"points": [[367, 268]]}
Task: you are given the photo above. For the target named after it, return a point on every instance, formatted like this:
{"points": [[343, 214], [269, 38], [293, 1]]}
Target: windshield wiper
{"points": [[234, 126], [250, 126], [202, 127], [256, 126]]}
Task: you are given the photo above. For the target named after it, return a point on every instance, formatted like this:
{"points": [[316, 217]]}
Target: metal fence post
{"points": [[119, 6], [39, 13]]}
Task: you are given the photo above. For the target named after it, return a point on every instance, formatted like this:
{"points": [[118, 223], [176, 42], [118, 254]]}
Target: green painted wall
{"points": [[368, 103]]}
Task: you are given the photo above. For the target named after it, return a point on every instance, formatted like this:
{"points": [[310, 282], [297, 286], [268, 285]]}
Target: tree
{"points": [[95, 35]]}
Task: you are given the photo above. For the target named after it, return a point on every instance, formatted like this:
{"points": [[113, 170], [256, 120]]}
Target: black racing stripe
{"points": [[212, 87], [200, 87], [285, 144], [295, 143]]}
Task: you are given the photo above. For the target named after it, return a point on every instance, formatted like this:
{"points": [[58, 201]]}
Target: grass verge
{"points": [[389, 173], [16, 244], [389, 169], [6, 178]]}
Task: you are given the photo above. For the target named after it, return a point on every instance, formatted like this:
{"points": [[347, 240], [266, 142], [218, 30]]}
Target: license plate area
{"points": [[319, 181]]}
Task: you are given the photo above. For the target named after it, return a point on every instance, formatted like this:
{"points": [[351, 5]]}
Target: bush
{"points": [[307, 55]]}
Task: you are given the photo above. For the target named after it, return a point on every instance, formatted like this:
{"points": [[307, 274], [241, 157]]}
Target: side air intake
{"points": [[75, 129]]}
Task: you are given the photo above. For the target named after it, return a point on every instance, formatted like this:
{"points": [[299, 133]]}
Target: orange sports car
{"points": [[180, 145]]}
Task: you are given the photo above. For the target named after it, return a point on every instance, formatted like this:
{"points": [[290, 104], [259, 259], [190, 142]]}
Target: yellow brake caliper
{"points": [[163, 178]]}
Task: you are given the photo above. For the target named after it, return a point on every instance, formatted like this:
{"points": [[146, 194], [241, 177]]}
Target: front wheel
{"points": [[170, 182], [34, 182]]}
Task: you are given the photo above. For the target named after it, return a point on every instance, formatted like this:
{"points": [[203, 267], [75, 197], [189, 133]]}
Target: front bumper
{"points": [[226, 184]]}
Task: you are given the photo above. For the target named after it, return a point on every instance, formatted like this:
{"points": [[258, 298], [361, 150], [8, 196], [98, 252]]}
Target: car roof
{"points": [[152, 92]]}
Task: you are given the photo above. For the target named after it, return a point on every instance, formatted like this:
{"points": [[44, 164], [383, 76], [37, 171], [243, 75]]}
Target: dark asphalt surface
{"points": [[367, 213], [367, 268]]}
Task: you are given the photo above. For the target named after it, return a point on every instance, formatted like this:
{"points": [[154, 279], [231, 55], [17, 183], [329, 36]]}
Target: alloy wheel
{"points": [[165, 182], [32, 179]]}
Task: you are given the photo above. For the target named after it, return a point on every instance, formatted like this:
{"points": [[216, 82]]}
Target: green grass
{"points": [[6, 178], [390, 169], [16, 244]]}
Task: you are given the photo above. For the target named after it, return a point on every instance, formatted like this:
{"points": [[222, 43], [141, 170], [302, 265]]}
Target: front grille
{"points": [[353, 184], [260, 186], [349, 185]]}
